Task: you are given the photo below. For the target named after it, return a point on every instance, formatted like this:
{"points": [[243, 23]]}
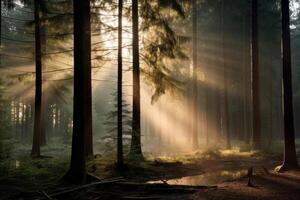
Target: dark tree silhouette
{"points": [[255, 77], [225, 79], [290, 158], [44, 93], [136, 149], [37, 130], [0, 27], [271, 102], [82, 94], [88, 109], [88, 84], [247, 75], [120, 80]]}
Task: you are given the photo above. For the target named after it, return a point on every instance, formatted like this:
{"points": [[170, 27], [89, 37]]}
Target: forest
{"points": [[149, 99]]}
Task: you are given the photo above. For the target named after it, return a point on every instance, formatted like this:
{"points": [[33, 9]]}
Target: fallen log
{"points": [[149, 187], [148, 198], [161, 188], [46, 195], [163, 185], [104, 181]]}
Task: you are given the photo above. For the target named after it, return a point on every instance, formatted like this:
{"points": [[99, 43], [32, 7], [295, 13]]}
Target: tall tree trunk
{"points": [[89, 119], [0, 30], [35, 152], [136, 148], [271, 102], [195, 109], [290, 158], [225, 79], [120, 80], [247, 76], [44, 93], [82, 98], [88, 81], [255, 77]]}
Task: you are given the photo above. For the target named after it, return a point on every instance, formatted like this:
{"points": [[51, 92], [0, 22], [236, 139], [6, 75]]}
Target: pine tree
{"points": [[225, 79], [136, 148], [290, 158], [82, 94], [255, 77], [35, 152], [120, 82], [112, 126]]}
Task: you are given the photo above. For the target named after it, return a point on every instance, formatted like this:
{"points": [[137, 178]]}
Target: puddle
{"points": [[210, 178]]}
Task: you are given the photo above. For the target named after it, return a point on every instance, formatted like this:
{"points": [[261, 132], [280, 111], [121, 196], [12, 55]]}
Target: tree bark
{"points": [[35, 152], [136, 149], [255, 77], [82, 99], [88, 81], [271, 102], [247, 76], [0, 30], [225, 79], [44, 93], [290, 158], [120, 81]]}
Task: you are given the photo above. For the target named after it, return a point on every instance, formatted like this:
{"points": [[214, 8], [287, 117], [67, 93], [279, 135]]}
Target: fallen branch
{"points": [[106, 181], [46, 195], [164, 186], [148, 198]]}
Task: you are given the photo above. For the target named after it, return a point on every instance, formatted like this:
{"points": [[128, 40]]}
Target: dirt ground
{"points": [[266, 186], [209, 176]]}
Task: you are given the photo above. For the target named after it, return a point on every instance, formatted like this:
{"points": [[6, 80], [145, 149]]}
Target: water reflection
{"points": [[210, 178]]}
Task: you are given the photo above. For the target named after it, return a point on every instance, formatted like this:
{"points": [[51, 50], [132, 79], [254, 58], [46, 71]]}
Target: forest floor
{"points": [[221, 173], [266, 186]]}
